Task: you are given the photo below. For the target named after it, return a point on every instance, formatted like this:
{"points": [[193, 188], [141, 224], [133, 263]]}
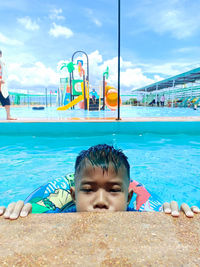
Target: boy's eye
{"points": [[86, 189], [115, 189]]}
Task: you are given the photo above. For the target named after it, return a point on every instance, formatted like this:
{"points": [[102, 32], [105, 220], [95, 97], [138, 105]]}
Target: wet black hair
{"points": [[102, 155], [0, 52]]}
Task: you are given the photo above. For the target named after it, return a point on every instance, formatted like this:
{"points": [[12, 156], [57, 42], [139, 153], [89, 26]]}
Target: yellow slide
{"points": [[72, 103]]}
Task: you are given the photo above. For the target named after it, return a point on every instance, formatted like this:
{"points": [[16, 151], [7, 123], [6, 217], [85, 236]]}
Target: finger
{"points": [[195, 209], [17, 209], [26, 210], [2, 210], [9, 210], [186, 209], [167, 208], [174, 208]]}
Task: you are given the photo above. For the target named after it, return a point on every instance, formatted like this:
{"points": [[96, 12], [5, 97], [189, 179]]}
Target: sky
{"points": [[159, 39]]}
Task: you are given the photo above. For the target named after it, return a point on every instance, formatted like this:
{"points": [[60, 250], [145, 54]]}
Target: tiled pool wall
{"points": [[99, 128]]}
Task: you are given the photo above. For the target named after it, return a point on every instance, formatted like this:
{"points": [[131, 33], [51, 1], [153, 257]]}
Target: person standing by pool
{"points": [[4, 95], [158, 100], [162, 100]]}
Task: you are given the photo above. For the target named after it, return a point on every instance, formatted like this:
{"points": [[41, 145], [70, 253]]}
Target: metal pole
{"points": [[103, 107], [50, 98], [173, 95], [70, 84], [156, 100], [46, 96], [118, 102], [58, 97], [84, 91], [28, 99]]}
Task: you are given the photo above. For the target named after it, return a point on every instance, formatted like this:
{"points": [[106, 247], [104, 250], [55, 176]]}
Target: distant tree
{"points": [[130, 101]]}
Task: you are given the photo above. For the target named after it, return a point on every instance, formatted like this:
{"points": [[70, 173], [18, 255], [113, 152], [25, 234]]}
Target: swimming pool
{"points": [[125, 112], [164, 157]]}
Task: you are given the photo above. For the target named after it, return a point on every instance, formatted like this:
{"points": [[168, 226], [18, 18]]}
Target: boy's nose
{"points": [[101, 201]]}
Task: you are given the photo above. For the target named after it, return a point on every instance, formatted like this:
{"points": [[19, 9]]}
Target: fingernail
{"points": [[13, 216], [168, 210], [189, 214], [23, 214], [175, 213], [6, 215], [194, 209]]}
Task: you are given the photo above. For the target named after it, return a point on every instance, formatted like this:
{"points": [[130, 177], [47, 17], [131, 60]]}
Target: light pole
{"points": [[118, 100]]}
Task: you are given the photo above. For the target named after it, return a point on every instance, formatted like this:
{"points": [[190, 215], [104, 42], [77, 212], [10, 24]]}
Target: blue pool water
{"points": [[167, 164], [125, 112]]}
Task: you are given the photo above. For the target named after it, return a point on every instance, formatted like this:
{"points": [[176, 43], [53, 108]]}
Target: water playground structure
{"points": [[75, 91]]}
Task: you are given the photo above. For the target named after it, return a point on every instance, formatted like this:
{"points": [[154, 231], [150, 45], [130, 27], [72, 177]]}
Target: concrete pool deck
{"points": [[95, 239], [135, 119]]}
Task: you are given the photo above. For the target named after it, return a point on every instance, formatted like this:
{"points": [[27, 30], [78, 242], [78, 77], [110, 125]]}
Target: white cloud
{"points": [[179, 19], [157, 78], [32, 75], [191, 49], [168, 69], [28, 23], [95, 58], [132, 76], [135, 78], [175, 21], [97, 22], [113, 63], [63, 73], [90, 14], [59, 30], [56, 14], [9, 41]]}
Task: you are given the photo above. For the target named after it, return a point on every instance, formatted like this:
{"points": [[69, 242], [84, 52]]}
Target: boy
{"points": [[94, 96], [102, 177]]}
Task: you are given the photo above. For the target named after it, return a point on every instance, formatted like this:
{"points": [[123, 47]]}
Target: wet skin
{"points": [[98, 191]]}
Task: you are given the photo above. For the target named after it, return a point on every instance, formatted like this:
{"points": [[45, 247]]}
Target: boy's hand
{"points": [[16, 209], [172, 208]]}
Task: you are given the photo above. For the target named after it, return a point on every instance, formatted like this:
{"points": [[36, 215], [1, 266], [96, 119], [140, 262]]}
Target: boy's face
{"points": [[101, 192]]}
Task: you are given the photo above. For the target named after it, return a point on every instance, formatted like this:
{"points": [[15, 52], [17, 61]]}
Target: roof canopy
{"points": [[183, 78]]}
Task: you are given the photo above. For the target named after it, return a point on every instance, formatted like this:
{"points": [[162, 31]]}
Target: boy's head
{"points": [[102, 176]]}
